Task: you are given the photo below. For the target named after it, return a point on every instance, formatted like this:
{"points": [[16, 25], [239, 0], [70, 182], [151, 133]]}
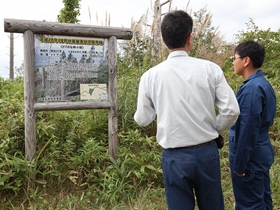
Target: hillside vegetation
{"points": [[72, 168]]}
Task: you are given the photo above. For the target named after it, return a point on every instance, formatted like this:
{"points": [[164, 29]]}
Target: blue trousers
{"points": [[252, 192], [193, 174]]}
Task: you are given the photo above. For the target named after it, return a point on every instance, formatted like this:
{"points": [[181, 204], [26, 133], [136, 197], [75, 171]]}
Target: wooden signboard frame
{"points": [[29, 28]]}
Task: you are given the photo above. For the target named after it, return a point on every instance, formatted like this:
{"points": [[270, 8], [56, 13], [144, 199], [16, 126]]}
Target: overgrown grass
{"points": [[72, 168]]}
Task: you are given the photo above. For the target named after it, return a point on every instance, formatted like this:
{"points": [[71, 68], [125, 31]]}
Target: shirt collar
{"points": [[257, 73], [177, 53]]}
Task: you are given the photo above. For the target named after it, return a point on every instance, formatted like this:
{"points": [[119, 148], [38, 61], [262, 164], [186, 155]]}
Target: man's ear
{"points": [[247, 61], [190, 39], [189, 43]]}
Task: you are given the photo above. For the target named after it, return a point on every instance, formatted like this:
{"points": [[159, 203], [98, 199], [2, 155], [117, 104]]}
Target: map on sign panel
{"points": [[93, 92]]}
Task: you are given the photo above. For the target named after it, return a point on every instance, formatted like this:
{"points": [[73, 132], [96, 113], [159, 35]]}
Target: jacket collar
{"points": [[257, 73]]}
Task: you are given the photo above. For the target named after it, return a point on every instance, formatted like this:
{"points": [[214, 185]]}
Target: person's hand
{"points": [[237, 174]]}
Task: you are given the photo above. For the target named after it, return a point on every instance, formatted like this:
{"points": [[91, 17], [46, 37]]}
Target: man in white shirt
{"points": [[182, 93]]}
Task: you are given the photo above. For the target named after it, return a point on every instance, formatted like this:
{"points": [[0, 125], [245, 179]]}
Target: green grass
{"points": [[73, 170]]}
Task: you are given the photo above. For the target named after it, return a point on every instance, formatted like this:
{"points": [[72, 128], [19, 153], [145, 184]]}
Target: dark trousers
{"points": [[190, 174], [252, 192]]}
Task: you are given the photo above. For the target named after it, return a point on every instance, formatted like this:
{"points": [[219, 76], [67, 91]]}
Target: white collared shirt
{"points": [[182, 92]]}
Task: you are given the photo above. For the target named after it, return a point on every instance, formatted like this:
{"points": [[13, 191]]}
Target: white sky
{"points": [[229, 15]]}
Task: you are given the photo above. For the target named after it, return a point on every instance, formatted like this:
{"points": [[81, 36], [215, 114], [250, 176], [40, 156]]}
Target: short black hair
{"points": [[176, 26], [254, 50]]}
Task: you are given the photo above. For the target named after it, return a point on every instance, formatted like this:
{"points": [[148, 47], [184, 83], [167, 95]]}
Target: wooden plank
{"points": [[29, 93], [66, 29], [56, 106], [112, 90]]}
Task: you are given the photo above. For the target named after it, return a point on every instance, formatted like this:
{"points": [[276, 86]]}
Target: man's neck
{"points": [[249, 72]]}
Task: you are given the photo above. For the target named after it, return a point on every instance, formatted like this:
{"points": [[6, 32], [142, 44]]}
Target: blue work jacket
{"points": [[250, 147]]}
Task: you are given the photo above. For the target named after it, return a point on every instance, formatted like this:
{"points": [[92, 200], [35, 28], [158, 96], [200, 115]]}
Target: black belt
{"points": [[203, 144], [192, 146]]}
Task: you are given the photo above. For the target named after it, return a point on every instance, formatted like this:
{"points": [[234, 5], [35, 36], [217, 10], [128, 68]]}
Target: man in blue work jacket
{"points": [[251, 153]]}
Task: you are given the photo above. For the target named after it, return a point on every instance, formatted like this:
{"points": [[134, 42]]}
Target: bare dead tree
{"points": [[157, 50]]}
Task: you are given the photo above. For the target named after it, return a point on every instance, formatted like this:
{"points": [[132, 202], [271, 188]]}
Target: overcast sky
{"points": [[229, 15]]}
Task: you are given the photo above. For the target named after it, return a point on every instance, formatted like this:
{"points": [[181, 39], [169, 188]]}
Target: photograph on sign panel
{"points": [[70, 68]]}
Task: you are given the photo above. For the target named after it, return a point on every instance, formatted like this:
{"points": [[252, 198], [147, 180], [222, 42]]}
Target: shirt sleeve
{"points": [[145, 112], [227, 104]]}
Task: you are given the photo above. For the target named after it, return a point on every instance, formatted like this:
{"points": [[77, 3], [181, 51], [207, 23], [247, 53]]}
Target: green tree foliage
{"points": [[270, 40], [70, 12]]}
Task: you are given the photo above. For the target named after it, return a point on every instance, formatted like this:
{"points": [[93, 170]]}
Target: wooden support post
{"points": [[12, 73], [29, 94], [112, 90]]}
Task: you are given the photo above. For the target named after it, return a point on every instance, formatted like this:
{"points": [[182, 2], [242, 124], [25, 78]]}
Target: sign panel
{"points": [[68, 67]]}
